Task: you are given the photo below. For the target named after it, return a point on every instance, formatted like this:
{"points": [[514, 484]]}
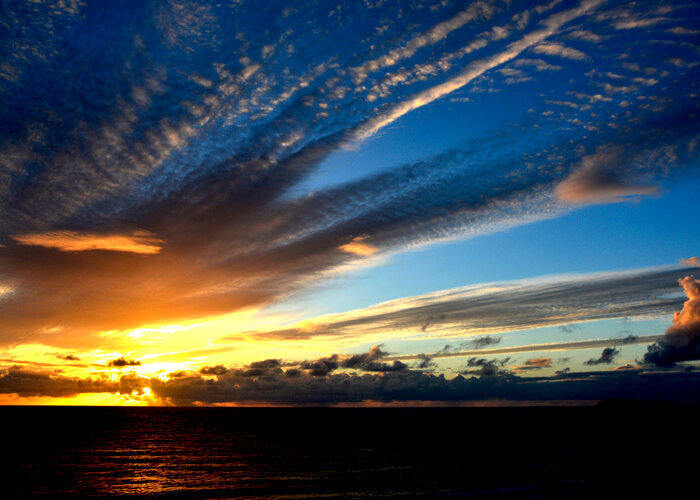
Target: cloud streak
{"points": [[476, 69], [529, 304], [70, 241]]}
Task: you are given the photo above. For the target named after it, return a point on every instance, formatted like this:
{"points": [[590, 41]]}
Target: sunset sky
{"points": [[370, 202]]}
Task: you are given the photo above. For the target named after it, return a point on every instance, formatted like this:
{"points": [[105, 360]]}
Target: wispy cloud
{"points": [[72, 241], [427, 38], [552, 346], [475, 69], [595, 181], [559, 50], [529, 304]]}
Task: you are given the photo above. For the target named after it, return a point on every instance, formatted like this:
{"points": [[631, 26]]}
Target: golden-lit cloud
{"points": [[682, 339], [358, 246], [137, 241], [692, 261]]}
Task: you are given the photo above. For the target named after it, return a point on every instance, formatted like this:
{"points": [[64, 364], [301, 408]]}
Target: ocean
{"points": [[532, 452]]}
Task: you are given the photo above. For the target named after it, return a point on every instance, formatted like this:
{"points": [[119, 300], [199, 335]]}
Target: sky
{"points": [[349, 203]]}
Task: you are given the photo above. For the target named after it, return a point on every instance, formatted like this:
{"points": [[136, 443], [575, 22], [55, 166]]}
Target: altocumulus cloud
{"points": [[195, 175]]}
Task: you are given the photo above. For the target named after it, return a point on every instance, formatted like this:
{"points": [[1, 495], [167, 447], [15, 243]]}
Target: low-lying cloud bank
{"points": [[27, 383], [290, 387]]}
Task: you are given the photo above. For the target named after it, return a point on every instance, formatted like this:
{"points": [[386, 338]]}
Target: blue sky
{"points": [[274, 189]]}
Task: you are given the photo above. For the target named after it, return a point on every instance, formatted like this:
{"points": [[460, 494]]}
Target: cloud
{"points": [[552, 346], [682, 339], [487, 380], [359, 360], [321, 367], [559, 50], [606, 356], [479, 309], [68, 357], [586, 35], [485, 367], [433, 35], [210, 161], [71, 241], [358, 246], [595, 181], [680, 30], [480, 342], [122, 362], [395, 366], [534, 364], [569, 328], [538, 64], [426, 362], [539, 362], [412, 386], [266, 368], [630, 339], [475, 69], [636, 23], [692, 262], [27, 383], [213, 370]]}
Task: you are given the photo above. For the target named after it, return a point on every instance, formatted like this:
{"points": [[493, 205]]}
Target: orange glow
{"points": [[358, 247], [71, 241], [85, 399]]}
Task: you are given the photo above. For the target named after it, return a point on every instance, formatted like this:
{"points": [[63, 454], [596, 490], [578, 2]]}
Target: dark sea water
{"points": [[556, 452]]}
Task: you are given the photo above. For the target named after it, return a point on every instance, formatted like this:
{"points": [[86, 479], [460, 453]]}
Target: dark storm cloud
{"points": [[192, 128], [606, 357], [682, 339]]}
